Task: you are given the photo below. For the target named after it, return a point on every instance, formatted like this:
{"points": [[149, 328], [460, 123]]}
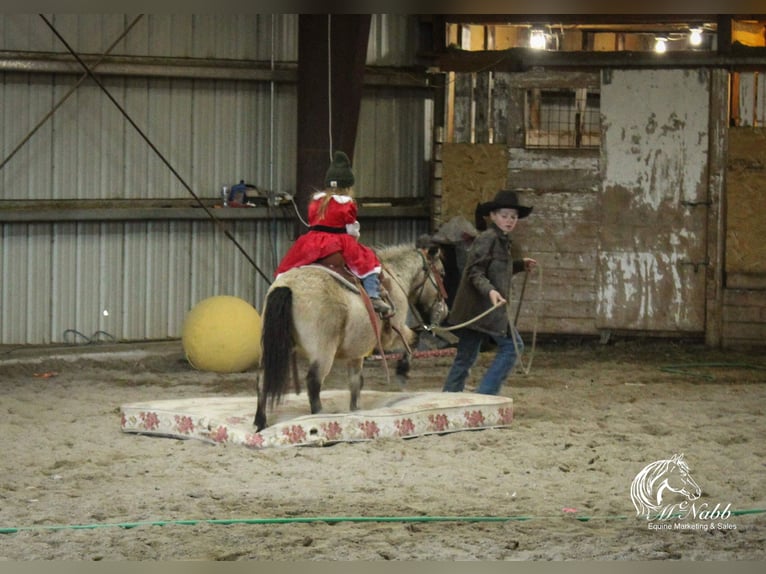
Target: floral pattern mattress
{"points": [[382, 414]]}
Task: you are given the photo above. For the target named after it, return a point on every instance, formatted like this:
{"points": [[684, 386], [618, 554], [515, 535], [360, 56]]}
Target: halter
{"points": [[432, 275]]}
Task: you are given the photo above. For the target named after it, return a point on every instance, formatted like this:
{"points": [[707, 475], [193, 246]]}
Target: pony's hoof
{"points": [[260, 423]]}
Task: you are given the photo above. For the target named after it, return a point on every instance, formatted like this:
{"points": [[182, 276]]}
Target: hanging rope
{"points": [[206, 209], [329, 81]]}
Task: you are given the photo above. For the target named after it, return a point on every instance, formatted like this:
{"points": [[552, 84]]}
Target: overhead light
{"points": [[660, 44], [537, 40], [695, 36]]}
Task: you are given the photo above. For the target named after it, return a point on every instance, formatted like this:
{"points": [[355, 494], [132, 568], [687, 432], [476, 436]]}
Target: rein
{"points": [[431, 274]]}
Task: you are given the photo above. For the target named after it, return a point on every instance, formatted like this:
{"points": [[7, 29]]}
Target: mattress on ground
{"points": [[382, 414]]}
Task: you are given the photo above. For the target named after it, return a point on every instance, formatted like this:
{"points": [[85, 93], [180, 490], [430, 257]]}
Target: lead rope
{"points": [[519, 355], [524, 369]]}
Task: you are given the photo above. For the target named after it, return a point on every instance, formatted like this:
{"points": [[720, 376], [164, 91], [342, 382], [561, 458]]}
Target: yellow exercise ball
{"points": [[222, 334]]}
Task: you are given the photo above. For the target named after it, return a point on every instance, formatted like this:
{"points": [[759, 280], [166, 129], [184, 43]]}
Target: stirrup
{"points": [[381, 307]]}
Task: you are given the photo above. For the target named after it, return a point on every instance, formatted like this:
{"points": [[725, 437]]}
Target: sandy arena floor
{"points": [[556, 485]]}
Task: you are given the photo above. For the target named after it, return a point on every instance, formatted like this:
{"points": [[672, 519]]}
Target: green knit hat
{"points": [[339, 173]]}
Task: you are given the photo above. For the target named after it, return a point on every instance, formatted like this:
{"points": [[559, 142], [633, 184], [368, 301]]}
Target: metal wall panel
{"points": [[218, 36], [393, 144], [393, 40], [210, 132], [393, 37], [68, 282], [75, 282]]}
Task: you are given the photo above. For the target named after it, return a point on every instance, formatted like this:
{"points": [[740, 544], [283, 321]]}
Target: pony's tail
{"points": [[277, 344]]}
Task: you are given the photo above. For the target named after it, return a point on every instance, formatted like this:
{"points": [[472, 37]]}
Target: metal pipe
{"points": [[150, 67], [196, 69]]}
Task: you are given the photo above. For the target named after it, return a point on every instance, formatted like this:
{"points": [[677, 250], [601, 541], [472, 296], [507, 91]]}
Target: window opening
{"points": [[563, 118]]}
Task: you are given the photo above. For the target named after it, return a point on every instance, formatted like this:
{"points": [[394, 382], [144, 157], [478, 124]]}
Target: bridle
{"points": [[430, 275]]}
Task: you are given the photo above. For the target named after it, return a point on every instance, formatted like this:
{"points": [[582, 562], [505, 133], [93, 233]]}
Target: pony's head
{"points": [[430, 297], [418, 275], [660, 481]]}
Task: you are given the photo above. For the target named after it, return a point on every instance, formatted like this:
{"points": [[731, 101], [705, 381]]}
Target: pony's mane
{"points": [[392, 253]]}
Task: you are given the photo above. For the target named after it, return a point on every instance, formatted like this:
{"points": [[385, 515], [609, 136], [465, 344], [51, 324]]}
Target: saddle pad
{"points": [[382, 414]]}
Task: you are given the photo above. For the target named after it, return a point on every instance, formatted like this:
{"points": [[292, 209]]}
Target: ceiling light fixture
{"points": [[537, 40], [660, 44], [695, 36]]}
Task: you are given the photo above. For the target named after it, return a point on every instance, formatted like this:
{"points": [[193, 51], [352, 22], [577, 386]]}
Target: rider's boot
{"points": [[371, 284], [381, 307]]}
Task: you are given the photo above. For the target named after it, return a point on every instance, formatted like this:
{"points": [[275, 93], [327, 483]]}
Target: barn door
{"points": [[652, 252]]}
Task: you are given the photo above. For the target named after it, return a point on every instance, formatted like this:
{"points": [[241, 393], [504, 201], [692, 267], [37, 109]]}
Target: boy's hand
{"points": [[495, 297], [529, 264]]}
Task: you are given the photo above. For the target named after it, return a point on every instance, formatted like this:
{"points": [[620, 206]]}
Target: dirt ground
{"points": [[556, 485]]}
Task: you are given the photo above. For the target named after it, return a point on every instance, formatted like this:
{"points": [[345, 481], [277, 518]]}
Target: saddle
{"points": [[335, 263]]}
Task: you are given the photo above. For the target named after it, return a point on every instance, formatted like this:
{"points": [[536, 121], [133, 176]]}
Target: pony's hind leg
{"points": [[260, 411], [355, 382], [314, 379]]}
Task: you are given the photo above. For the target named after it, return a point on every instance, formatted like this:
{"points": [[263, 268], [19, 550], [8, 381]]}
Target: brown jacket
{"points": [[489, 265]]}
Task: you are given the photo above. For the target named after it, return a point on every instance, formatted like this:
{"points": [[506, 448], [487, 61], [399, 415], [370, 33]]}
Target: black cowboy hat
{"points": [[505, 199]]}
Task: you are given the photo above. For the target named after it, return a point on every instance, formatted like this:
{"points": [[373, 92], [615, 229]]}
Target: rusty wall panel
{"points": [[652, 244]]}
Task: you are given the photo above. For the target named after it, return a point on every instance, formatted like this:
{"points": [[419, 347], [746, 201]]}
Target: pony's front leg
{"points": [[355, 382], [403, 370]]}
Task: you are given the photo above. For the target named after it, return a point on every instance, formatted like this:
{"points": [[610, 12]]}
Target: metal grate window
{"points": [[563, 118]]}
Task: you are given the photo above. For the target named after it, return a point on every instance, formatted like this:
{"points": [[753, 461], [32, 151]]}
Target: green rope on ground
{"points": [[687, 369], [325, 519]]}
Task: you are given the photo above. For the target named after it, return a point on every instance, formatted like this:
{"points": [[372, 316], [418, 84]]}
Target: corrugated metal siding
{"points": [[64, 282], [394, 138], [393, 40], [393, 142], [208, 131], [225, 36], [58, 279]]}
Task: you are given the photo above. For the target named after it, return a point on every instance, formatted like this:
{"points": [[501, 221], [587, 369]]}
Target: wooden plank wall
{"points": [[484, 151], [485, 134]]}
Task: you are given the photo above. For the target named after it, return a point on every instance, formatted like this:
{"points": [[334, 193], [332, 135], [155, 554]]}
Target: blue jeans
{"points": [[468, 349], [371, 284]]}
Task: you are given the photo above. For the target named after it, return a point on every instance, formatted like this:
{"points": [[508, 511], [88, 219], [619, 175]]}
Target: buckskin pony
{"points": [[312, 313]]}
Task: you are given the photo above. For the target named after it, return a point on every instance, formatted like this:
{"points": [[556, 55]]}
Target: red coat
{"points": [[316, 244]]}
